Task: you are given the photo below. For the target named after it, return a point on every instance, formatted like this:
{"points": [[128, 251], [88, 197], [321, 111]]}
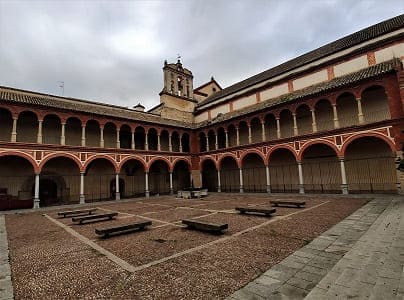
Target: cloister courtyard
{"points": [[53, 258]]}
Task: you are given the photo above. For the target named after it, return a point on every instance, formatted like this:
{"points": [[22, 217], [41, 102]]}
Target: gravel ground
{"points": [[49, 263]]}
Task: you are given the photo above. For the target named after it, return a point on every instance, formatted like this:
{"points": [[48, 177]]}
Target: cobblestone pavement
{"points": [[360, 257], [6, 287]]}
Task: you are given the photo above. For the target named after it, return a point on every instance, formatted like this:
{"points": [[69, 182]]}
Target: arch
{"points": [[202, 142], [132, 157], [27, 127], [110, 133], [55, 155], [229, 174], [283, 170], [221, 138], [270, 127], [256, 130], [232, 135], [140, 138], [243, 132], [93, 133], [125, 137], [22, 155], [175, 141], [156, 158], [286, 123], [316, 142], [181, 175], [209, 174], [6, 124], [254, 172], [219, 161], [324, 114], [100, 156], [303, 119], [347, 107], [51, 129], [367, 134], [280, 147], [152, 140], [179, 159], [212, 139], [185, 142], [73, 131], [159, 181], [251, 151], [205, 158], [375, 105]]}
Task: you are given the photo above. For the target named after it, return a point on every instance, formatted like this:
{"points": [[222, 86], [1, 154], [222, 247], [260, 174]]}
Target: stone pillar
{"points": [[344, 185], [118, 142], [146, 185], [237, 137], [207, 143], [146, 141], [361, 117], [101, 136], [241, 181], [301, 183], [170, 143], [83, 135], [14, 130], [158, 142], [216, 142], [335, 112], [117, 192], [249, 134], [263, 137], [180, 143], [36, 192], [132, 143], [400, 174], [268, 179], [82, 197], [39, 135], [227, 139], [278, 128], [295, 130], [63, 135], [313, 118], [219, 185], [171, 183]]}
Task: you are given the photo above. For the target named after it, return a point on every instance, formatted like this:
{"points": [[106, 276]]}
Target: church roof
{"points": [[326, 50]]}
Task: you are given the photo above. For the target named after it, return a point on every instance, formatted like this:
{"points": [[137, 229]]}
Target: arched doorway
{"points": [[286, 123], [209, 175], [321, 169], [73, 132], [51, 129], [48, 192], [370, 167], [229, 175], [6, 125], [181, 176], [283, 171], [132, 172], [347, 107], [159, 178], [16, 176], [27, 127], [254, 174], [98, 176]]}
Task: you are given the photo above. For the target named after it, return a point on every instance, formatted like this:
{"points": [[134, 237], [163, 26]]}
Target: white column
{"points": [[146, 141], [344, 185], [36, 192], [63, 135], [264, 137], [219, 185], [313, 118], [268, 179], [14, 130], [82, 197], [301, 183], [295, 130], [278, 128], [241, 181], [39, 135], [180, 143], [361, 117], [132, 143], [216, 142], [101, 136], [335, 112], [146, 185], [170, 143], [207, 143], [227, 139], [117, 192], [237, 137], [118, 142], [83, 135], [171, 183], [249, 134], [158, 142]]}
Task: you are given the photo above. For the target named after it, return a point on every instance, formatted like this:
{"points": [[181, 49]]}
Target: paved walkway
{"points": [[360, 257], [6, 287]]}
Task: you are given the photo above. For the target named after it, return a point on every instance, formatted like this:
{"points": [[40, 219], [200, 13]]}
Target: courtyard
{"points": [[54, 258]]}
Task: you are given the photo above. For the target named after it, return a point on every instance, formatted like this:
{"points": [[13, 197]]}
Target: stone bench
{"points": [[205, 226], [288, 203], [122, 229], [255, 209], [75, 213], [99, 217]]}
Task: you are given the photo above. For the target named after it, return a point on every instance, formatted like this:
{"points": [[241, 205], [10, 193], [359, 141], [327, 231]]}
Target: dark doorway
{"points": [[48, 192]]}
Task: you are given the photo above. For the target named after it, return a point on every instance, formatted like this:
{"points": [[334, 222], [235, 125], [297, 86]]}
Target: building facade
{"points": [[329, 121]]}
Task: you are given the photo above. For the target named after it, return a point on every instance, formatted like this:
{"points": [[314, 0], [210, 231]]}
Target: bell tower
{"points": [[177, 97]]}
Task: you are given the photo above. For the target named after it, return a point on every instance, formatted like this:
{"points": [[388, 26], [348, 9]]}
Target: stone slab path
{"points": [[361, 257], [6, 286]]}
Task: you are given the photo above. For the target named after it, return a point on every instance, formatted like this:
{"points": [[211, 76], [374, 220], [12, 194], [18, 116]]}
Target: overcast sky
{"points": [[113, 51]]}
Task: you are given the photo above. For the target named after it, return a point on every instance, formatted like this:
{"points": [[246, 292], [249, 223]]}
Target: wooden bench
{"points": [[106, 232], [256, 209], [99, 217], [205, 226], [296, 203], [75, 213]]}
